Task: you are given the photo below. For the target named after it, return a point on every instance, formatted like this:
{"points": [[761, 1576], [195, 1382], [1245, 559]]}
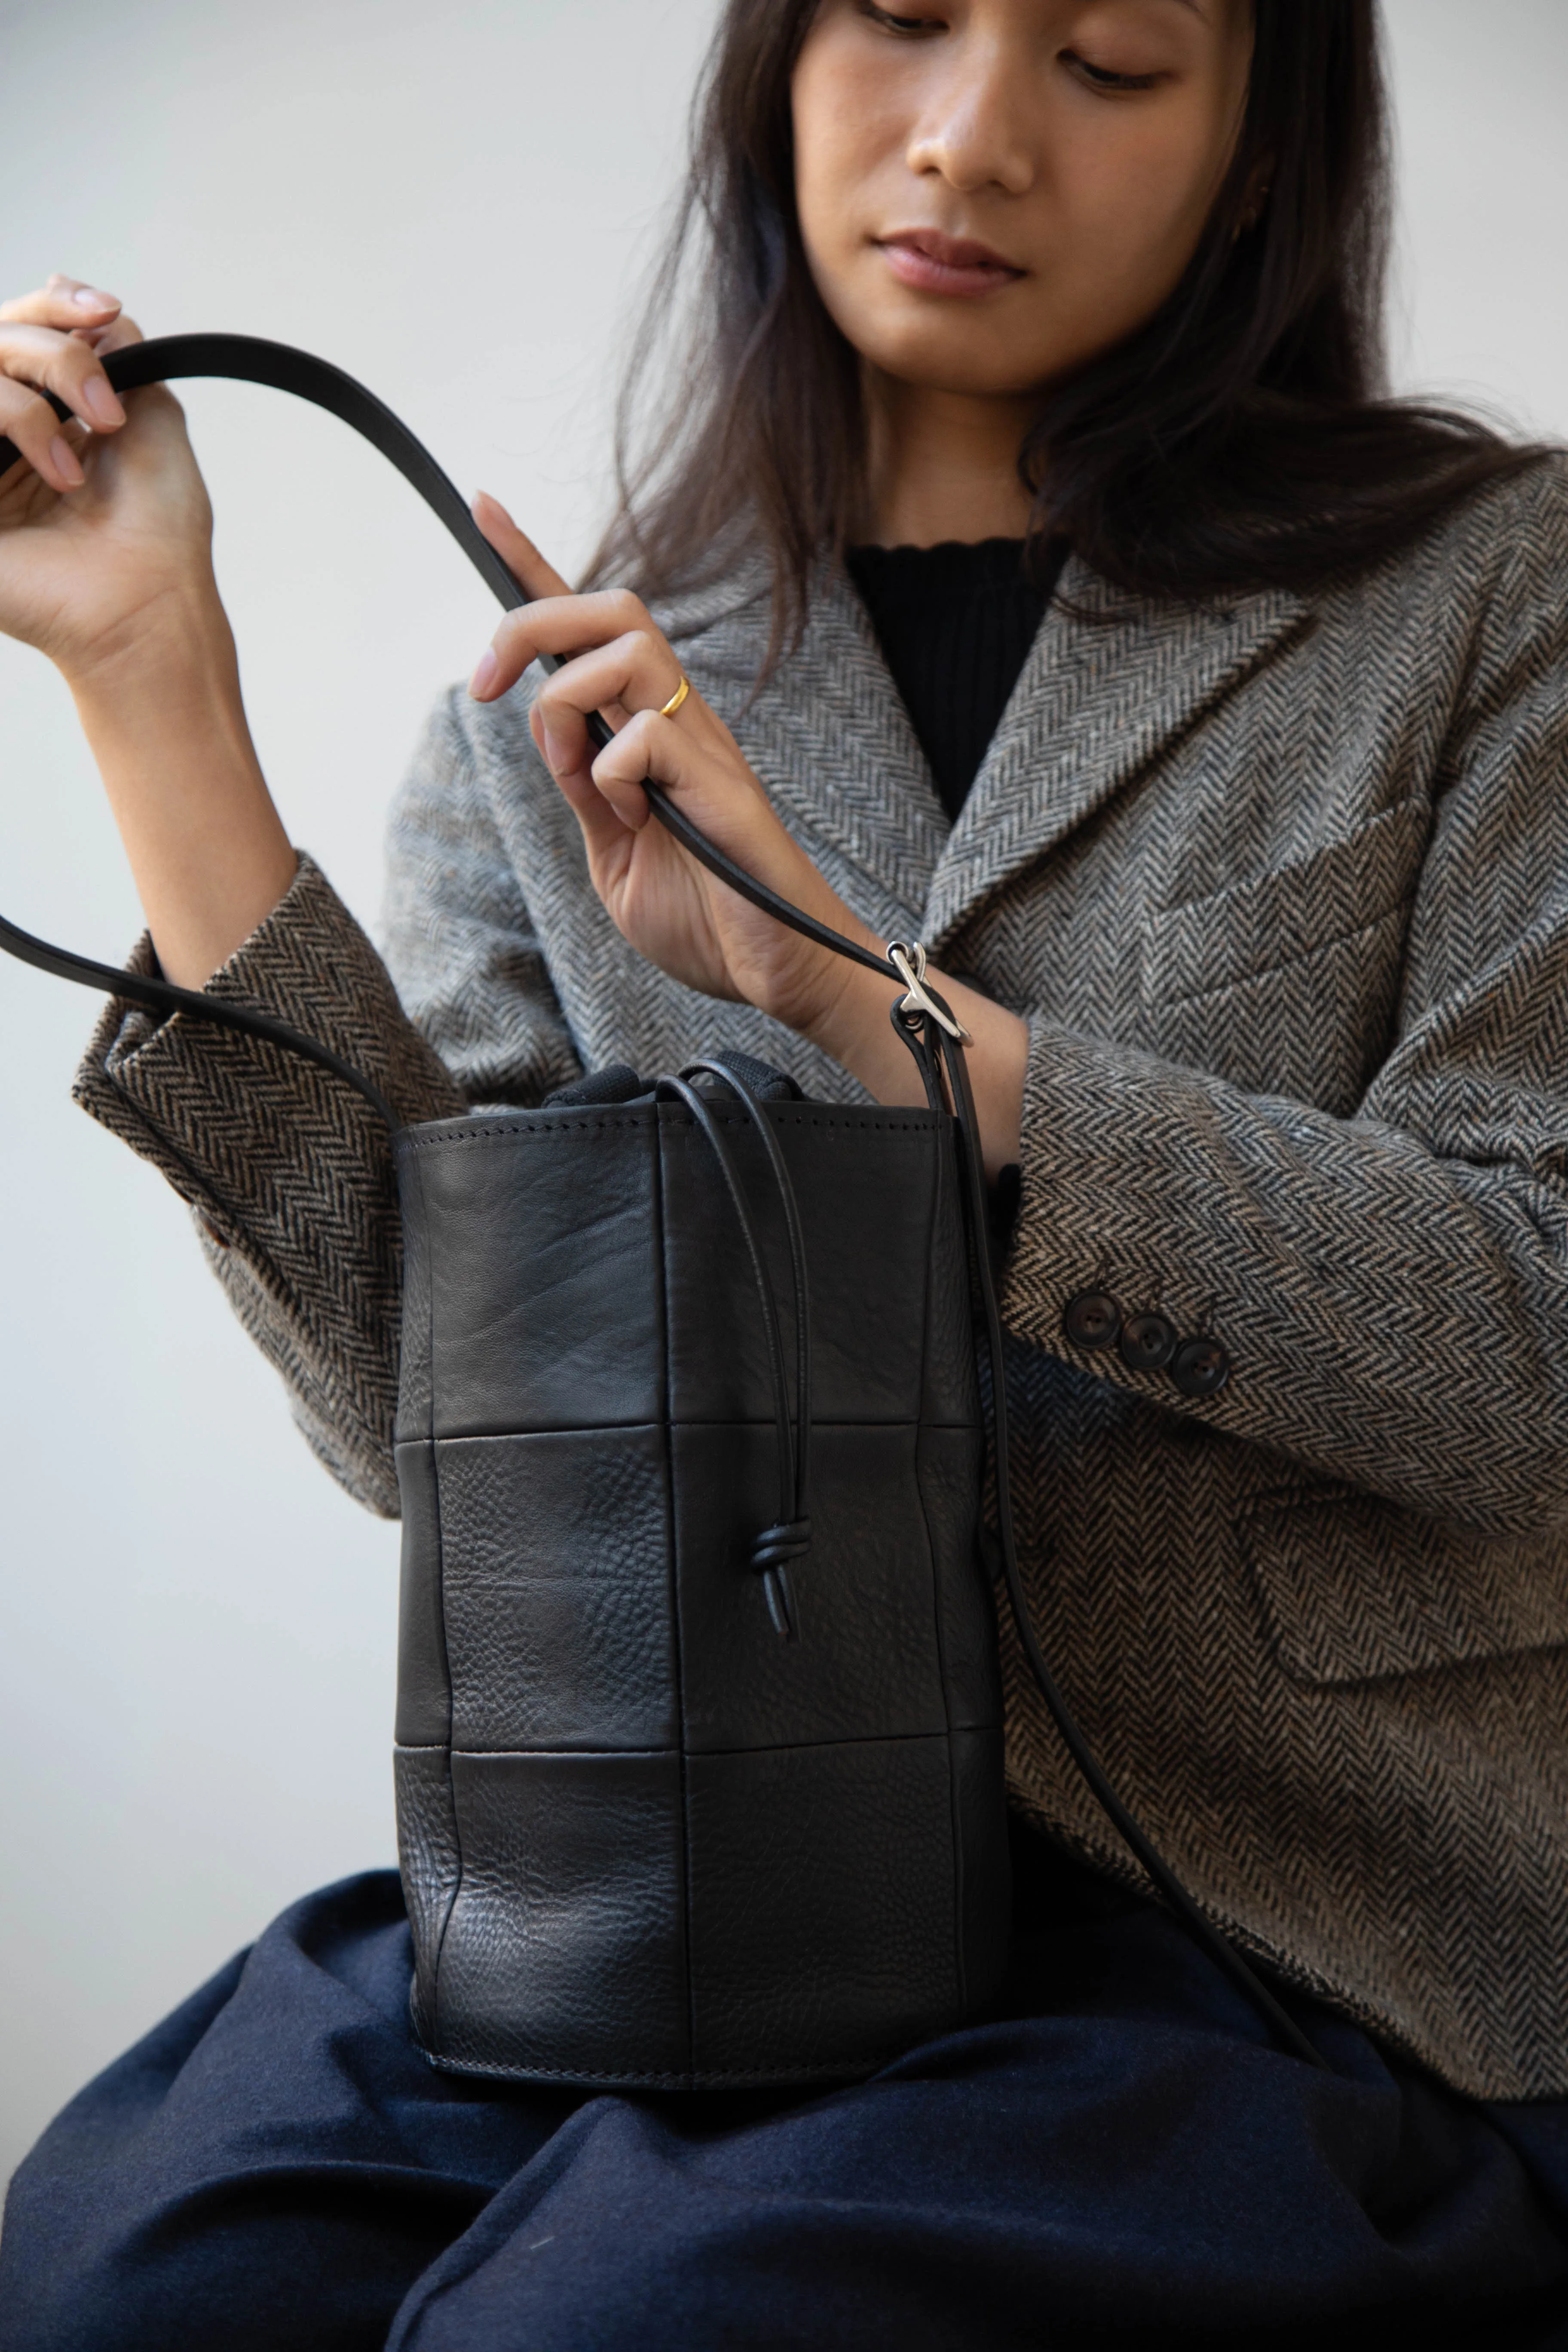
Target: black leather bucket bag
{"points": [[700, 1737], [698, 1760]]}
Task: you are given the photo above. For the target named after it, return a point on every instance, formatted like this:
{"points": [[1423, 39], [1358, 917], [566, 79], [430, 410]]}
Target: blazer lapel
{"points": [[831, 740], [1097, 699]]}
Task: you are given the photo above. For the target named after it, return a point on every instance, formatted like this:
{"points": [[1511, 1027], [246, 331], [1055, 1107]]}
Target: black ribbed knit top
{"points": [[955, 624]]}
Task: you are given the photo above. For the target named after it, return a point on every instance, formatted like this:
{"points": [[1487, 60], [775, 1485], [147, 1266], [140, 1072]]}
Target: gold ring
{"points": [[677, 698]]}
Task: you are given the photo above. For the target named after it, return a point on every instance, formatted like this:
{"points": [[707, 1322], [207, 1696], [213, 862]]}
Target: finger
{"points": [[651, 749], [719, 794], [118, 336], [569, 626], [630, 675], [65, 303], [66, 366], [604, 832], [517, 551], [33, 429]]}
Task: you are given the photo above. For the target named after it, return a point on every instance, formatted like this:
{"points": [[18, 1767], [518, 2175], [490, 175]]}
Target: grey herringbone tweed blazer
{"points": [[1282, 888]]}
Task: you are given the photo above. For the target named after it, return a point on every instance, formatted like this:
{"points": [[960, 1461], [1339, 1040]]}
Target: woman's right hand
{"points": [[105, 528]]}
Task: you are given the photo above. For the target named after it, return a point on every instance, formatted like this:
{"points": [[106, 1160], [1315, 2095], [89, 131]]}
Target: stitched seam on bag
{"points": [[667, 1455], [624, 1428], [446, 1645], [768, 1748], [411, 1139], [960, 1972], [830, 2071]]}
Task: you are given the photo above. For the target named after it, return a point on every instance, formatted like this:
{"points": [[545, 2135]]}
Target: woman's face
{"points": [[992, 192]]}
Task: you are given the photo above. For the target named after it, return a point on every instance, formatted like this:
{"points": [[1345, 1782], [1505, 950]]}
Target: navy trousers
{"points": [[1119, 2158]]}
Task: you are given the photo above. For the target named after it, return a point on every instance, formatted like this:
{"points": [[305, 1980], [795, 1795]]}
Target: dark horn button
{"points": [[1147, 1343], [1092, 1319], [1201, 1368]]}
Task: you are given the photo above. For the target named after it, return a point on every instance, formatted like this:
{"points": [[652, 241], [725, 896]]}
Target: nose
{"points": [[975, 130]]}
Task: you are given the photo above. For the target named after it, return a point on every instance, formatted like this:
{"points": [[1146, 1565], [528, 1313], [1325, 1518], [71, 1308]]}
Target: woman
{"points": [[1050, 587]]}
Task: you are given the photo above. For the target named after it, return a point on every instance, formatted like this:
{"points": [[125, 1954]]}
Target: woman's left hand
{"points": [[672, 911]]}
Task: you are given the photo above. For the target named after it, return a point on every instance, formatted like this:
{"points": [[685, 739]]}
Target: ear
{"points": [[1255, 196]]}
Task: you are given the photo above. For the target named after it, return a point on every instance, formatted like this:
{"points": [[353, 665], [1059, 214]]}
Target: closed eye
{"points": [[905, 25], [1098, 77]]}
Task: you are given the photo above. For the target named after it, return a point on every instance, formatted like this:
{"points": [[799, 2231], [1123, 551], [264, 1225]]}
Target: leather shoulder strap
{"points": [[250, 359]]}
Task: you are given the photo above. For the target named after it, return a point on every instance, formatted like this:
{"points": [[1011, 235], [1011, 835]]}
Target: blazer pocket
{"points": [[1353, 1589], [1289, 913]]}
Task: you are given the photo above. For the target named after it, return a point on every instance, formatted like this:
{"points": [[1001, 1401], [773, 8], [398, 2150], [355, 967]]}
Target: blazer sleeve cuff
{"points": [[1104, 1140], [287, 1167], [190, 1098]]}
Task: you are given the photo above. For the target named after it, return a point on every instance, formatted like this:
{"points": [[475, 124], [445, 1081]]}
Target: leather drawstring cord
{"points": [[924, 1023], [789, 1537]]}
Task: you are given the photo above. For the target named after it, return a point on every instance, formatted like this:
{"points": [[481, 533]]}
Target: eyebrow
{"points": [[1198, 8], [1194, 9]]}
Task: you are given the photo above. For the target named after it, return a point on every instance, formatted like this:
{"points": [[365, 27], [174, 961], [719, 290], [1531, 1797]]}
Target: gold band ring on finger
{"points": [[677, 698]]}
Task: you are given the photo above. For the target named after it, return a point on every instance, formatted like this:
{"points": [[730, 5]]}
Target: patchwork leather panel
{"points": [[429, 1859], [423, 1689], [947, 1466], [951, 1386], [559, 1601], [865, 1663], [544, 1262], [984, 1869], [863, 1181], [414, 1393], [821, 1904], [565, 1950]]}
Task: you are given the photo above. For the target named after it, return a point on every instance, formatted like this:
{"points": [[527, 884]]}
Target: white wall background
{"points": [[196, 1630]]}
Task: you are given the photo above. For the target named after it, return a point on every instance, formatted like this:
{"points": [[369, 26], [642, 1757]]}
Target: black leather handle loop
{"points": [[251, 359]]}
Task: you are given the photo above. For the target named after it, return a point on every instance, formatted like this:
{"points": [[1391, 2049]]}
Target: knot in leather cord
{"points": [[771, 1554], [786, 1539]]}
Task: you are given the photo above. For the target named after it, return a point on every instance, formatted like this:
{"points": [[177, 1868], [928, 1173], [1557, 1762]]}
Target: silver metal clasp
{"points": [[908, 960]]}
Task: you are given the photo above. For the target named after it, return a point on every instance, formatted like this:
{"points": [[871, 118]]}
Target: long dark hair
{"points": [[1240, 439]]}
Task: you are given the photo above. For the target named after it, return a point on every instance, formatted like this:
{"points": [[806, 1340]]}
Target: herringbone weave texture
{"points": [[1283, 892]]}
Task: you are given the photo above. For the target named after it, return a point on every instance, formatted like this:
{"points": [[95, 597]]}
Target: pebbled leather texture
{"points": [[648, 1841]]}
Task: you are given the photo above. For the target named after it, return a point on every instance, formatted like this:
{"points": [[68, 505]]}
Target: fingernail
{"points": [[98, 399], [88, 297], [484, 674], [64, 462], [556, 752]]}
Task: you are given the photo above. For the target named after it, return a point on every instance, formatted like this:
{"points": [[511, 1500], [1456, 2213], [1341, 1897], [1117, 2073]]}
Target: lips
{"points": [[932, 262]]}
